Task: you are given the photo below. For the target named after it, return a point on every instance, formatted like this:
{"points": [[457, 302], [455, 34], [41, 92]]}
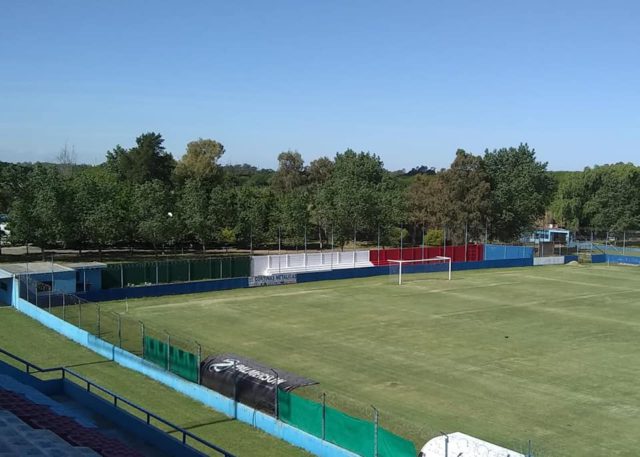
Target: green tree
{"points": [[254, 209], [466, 193], [222, 211], [146, 161], [521, 189], [200, 162], [193, 209], [290, 174], [153, 208], [359, 197]]}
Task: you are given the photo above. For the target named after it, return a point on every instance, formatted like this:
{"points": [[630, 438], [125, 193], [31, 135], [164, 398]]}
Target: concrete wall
{"points": [[503, 251], [600, 258], [199, 393], [557, 260]]}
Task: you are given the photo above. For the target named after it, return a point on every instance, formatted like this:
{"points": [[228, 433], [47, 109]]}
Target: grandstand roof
{"points": [[32, 267], [85, 265]]}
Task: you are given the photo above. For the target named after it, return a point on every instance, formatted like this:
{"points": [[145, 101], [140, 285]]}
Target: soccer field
{"points": [[548, 354]]}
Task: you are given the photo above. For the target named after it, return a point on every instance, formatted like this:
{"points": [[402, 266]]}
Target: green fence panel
{"points": [[241, 267], [353, 434], [300, 412], [155, 351], [134, 274], [391, 445], [163, 272], [111, 277], [183, 363]]}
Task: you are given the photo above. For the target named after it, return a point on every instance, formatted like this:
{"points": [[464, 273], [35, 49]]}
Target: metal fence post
{"points": [[276, 393], [199, 361], [98, 313], [122, 276], [324, 415], [119, 331], [376, 417], [168, 350], [142, 340]]}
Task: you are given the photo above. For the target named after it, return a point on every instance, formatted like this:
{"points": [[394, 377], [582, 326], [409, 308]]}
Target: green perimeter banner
{"points": [[180, 362], [348, 432]]}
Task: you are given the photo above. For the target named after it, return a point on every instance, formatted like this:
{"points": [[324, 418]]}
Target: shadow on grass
{"points": [[75, 365], [192, 426]]}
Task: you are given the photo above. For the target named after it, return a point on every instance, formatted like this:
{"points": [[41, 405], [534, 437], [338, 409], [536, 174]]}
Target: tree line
{"points": [[142, 195]]}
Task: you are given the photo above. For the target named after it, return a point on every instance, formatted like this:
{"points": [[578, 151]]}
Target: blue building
{"points": [[44, 278], [550, 235]]}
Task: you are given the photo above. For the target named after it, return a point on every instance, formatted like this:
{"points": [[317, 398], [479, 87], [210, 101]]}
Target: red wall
{"points": [[475, 252]]}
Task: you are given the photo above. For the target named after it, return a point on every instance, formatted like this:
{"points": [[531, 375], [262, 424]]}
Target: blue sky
{"points": [[410, 81]]}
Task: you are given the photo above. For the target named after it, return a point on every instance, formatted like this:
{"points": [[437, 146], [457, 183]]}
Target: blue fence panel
{"points": [[349, 273], [570, 258], [503, 251], [599, 258], [164, 289], [629, 260]]}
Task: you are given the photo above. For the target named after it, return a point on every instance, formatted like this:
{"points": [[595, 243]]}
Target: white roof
{"points": [[32, 267]]}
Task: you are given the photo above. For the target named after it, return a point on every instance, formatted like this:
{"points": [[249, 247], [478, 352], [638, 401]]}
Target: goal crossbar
{"points": [[400, 263]]}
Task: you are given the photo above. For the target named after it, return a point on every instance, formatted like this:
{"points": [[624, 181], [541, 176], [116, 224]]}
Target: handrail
{"points": [[116, 399]]}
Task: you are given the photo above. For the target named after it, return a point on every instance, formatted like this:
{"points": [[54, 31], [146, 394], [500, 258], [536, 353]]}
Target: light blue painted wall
{"points": [[63, 281], [503, 251], [629, 260], [206, 396]]}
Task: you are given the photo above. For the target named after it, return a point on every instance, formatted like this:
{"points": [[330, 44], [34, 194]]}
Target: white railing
{"points": [[316, 261]]}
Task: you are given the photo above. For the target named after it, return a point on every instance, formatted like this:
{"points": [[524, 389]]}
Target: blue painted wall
{"points": [[349, 273], [92, 277], [199, 393], [629, 260], [63, 281], [6, 291], [599, 258], [498, 251], [570, 258], [164, 289]]}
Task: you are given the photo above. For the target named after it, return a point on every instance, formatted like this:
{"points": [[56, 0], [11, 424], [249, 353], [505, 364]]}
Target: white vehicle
{"points": [[461, 445]]}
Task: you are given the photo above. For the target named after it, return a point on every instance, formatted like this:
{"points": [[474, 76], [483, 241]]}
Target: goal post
{"points": [[418, 262]]}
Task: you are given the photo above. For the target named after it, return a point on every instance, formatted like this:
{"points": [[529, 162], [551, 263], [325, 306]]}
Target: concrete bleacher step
{"points": [[19, 439]]}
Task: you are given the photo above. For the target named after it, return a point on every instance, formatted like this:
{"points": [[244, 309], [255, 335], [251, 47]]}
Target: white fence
{"points": [[557, 260], [317, 261]]}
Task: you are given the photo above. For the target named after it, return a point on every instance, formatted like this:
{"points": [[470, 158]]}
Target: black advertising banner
{"points": [[248, 381]]}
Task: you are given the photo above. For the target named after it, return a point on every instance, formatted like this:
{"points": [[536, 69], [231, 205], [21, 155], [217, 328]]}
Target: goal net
{"points": [[399, 269]]}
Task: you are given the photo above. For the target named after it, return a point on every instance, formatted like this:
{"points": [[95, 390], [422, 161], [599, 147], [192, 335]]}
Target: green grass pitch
{"points": [[28, 339], [549, 354]]}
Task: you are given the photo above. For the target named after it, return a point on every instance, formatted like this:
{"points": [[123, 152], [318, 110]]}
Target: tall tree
{"points": [[146, 161], [520, 190], [200, 162], [466, 196], [358, 197], [290, 174], [154, 209], [193, 210]]}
